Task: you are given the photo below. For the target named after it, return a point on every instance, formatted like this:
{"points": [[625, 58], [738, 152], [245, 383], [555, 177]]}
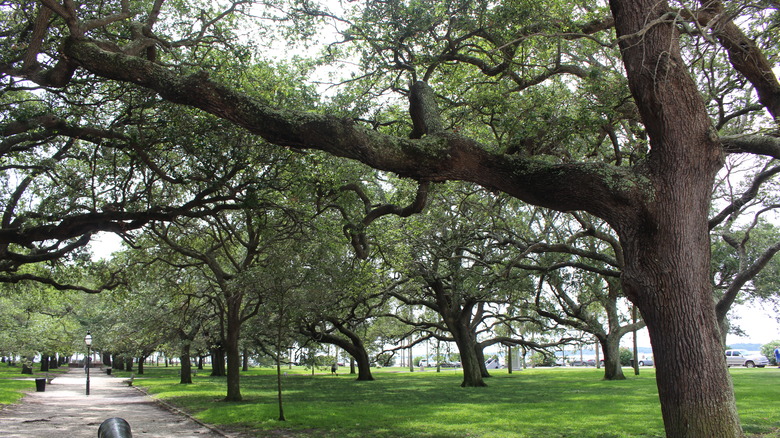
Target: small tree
{"points": [[768, 350]]}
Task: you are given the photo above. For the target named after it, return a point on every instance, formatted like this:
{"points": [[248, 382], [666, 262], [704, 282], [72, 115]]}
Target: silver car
{"points": [[746, 359]]}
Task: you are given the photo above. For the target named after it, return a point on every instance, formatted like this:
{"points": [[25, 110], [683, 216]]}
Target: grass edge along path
{"points": [[528, 403]]}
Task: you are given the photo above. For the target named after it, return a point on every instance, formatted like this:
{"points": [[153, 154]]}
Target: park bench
{"points": [[130, 380]]}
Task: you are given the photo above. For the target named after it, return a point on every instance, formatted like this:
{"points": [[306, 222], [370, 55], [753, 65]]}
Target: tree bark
{"points": [[186, 364], [611, 347], [218, 361], [27, 365], [44, 363], [666, 241], [480, 355], [118, 363], [698, 400], [232, 348], [473, 375], [279, 386]]}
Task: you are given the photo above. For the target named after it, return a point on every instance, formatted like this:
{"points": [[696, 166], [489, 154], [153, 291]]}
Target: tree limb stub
{"points": [[424, 111]]}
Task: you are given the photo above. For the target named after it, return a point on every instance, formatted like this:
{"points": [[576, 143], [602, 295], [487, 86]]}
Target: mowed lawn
{"points": [[13, 384], [573, 402]]}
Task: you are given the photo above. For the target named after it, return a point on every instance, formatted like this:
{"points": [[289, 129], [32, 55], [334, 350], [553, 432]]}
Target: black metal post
{"points": [[88, 342], [87, 360]]}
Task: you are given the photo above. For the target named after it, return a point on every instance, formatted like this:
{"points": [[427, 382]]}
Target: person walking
{"points": [[777, 355]]}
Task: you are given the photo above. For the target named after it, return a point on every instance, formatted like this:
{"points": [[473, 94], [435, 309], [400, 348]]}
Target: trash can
{"points": [[108, 371], [114, 427], [40, 385]]}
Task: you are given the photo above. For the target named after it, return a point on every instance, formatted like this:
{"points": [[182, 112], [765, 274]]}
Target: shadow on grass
{"points": [[529, 403]]}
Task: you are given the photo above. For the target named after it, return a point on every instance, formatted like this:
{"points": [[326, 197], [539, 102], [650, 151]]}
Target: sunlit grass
{"points": [[528, 403], [13, 383]]}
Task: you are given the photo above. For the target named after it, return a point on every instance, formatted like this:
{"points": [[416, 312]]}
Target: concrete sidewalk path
{"points": [[64, 411]]}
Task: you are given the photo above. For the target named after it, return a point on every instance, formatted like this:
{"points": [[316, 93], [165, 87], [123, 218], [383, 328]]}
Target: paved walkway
{"points": [[63, 410]]}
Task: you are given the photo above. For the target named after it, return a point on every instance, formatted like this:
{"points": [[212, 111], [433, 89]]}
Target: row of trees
{"points": [[265, 280], [616, 116]]}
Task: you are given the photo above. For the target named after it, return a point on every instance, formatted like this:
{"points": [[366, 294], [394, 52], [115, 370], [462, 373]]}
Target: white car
{"points": [[746, 359]]}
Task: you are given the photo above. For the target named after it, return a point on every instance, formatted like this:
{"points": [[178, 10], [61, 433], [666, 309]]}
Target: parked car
{"points": [[646, 361], [745, 358], [427, 363]]}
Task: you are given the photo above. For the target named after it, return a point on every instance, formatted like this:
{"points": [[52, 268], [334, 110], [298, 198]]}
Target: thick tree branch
{"points": [[13, 279], [744, 55], [768, 145], [436, 157]]}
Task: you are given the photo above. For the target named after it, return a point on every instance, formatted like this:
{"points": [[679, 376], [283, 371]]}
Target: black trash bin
{"points": [[108, 371], [40, 385], [114, 427]]}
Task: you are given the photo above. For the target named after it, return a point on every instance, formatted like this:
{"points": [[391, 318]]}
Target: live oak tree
{"points": [[160, 307], [577, 268], [653, 189], [450, 263], [343, 301], [36, 320], [222, 248], [109, 163]]}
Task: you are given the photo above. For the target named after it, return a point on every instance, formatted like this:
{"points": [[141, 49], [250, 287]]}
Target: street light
{"points": [[88, 341]]}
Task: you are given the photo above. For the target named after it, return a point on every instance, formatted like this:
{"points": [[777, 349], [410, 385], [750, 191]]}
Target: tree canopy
{"points": [[625, 110]]}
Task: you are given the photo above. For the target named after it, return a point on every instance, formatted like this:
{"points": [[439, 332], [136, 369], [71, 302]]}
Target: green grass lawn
{"points": [[529, 403], [13, 383]]}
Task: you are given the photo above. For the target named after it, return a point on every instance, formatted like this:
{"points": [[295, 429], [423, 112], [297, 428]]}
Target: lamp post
{"points": [[88, 341]]}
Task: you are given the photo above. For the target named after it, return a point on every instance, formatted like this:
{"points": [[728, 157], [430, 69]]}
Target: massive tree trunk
{"points": [[27, 363], [218, 361], [186, 364], [473, 366], [118, 363], [610, 345], [696, 401], [232, 348], [666, 243], [360, 357], [44, 363]]}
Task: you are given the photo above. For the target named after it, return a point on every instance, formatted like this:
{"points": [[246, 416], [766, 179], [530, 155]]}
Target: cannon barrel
{"points": [[114, 427]]}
